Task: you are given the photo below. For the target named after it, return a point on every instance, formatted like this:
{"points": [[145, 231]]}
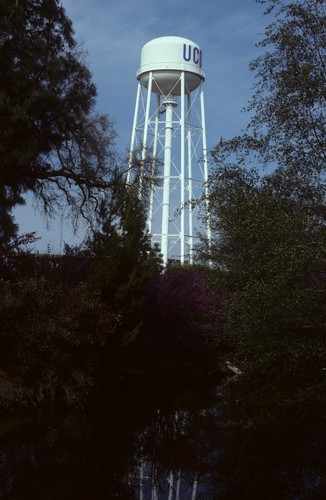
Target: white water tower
{"points": [[169, 127]]}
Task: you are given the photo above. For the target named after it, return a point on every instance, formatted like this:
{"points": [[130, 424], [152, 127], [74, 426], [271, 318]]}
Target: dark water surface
{"points": [[155, 443]]}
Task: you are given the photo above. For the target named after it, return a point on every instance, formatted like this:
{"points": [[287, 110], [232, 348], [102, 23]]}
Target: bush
{"points": [[181, 307], [51, 338]]}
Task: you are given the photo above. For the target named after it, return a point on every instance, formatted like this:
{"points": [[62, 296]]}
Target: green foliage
{"points": [[51, 338], [289, 95], [51, 141], [8, 228], [123, 258], [269, 255], [270, 247], [268, 239], [286, 132]]}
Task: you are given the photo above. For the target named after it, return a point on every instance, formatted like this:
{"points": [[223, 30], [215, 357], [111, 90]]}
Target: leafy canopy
{"points": [[286, 133], [267, 213], [52, 142], [268, 230]]}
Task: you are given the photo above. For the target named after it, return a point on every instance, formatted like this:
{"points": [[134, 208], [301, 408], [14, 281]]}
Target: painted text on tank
{"points": [[192, 53]]}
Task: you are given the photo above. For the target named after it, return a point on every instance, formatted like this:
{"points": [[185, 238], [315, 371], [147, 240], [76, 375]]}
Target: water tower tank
{"points": [[168, 152], [167, 57]]}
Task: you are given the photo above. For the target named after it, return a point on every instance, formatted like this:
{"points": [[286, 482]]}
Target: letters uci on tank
{"points": [[193, 53]]}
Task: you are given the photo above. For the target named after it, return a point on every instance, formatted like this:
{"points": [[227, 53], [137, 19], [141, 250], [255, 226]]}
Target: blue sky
{"points": [[113, 33]]}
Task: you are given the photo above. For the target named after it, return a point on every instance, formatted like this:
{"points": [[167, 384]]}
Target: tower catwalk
{"points": [[169, 128]]}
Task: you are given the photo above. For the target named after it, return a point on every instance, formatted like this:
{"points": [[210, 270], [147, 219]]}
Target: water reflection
{"points": [[170, 456], [154, 445]]}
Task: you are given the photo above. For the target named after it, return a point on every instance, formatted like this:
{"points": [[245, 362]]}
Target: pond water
{"points": [[154, 443]]}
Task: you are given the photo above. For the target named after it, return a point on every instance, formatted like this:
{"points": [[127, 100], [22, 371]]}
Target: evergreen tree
{"points": [[123, 258], [8, 228], [51, 141]]}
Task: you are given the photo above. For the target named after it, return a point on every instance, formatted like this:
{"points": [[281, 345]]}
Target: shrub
{"points": [[51, 338], [181, 306]]}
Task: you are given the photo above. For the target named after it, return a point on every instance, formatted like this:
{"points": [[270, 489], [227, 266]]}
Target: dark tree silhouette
{"points": [[52, 142]]}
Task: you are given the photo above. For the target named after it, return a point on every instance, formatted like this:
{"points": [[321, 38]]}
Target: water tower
{"points": [[169, 127]]}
